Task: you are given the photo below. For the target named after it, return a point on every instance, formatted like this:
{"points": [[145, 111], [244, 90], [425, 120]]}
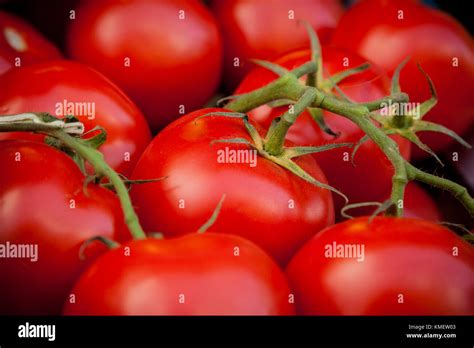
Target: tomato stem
{"points": [[276, 135], [93, 156], [289, 87]]}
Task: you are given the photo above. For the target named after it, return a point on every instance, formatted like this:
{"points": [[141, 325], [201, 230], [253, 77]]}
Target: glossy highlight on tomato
{"points": [[197, 274], [264, 202], [21, 44], [45, 205]]}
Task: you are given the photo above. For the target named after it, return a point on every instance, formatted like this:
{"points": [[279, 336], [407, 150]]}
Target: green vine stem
{"points": [[289, 87], [458, 191], [276, 135], [58, 130]]}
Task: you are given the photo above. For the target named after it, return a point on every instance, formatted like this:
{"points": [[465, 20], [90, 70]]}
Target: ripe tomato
{"points": [[198, 274], [44, 204], [265, 29], [375, 29], [373, 172], [264, 202], [419, 204], [21, 44], [406, 267], [55, 86], [464, 163], [165, 54]]}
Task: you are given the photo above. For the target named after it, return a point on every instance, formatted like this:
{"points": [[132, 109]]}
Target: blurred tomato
{"points": [[264, 29], [419, 204], [165, 54], [21, 44], [65, 87], [387, 32]]}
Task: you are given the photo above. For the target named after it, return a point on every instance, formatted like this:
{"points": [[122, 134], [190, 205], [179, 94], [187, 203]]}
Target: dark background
{"points": [[46, 14]]}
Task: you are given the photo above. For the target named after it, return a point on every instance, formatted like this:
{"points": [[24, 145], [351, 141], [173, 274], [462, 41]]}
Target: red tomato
{"points": [[419, 204], [397, 267], [464, 163], [208, 274], [443, 47], [44, 205], [165, 54], [21, 44], [56, 85], [265, 29], [373, 172], [264, 202]]}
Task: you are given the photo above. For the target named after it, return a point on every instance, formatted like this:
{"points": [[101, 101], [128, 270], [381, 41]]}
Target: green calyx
{"points": [[272, 148], [408, 121]]}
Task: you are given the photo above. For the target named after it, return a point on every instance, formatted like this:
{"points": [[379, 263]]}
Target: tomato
{"points": [[45, 206], [370, 179], [397, 267], [264, 202], [464, 163], [55, 86], [198, 274], [438, 42], [416, 204], [21, 44], [419, 204], [165, 54], [265, 29]]}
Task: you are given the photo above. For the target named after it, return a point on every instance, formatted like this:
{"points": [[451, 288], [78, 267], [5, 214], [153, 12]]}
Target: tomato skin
{"points": [[410, 257], [152, 279], [419, 204], [173, 62], [372, 172], [19, 39], [258, 199], [35, 208], [372, 29], [41, 86], [246, 24]]}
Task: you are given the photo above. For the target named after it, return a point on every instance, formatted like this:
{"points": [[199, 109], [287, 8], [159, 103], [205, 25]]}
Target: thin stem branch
{"points": [[95, 158]]}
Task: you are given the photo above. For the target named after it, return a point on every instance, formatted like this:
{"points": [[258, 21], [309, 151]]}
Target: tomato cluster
{"points": [[226, 226]]}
